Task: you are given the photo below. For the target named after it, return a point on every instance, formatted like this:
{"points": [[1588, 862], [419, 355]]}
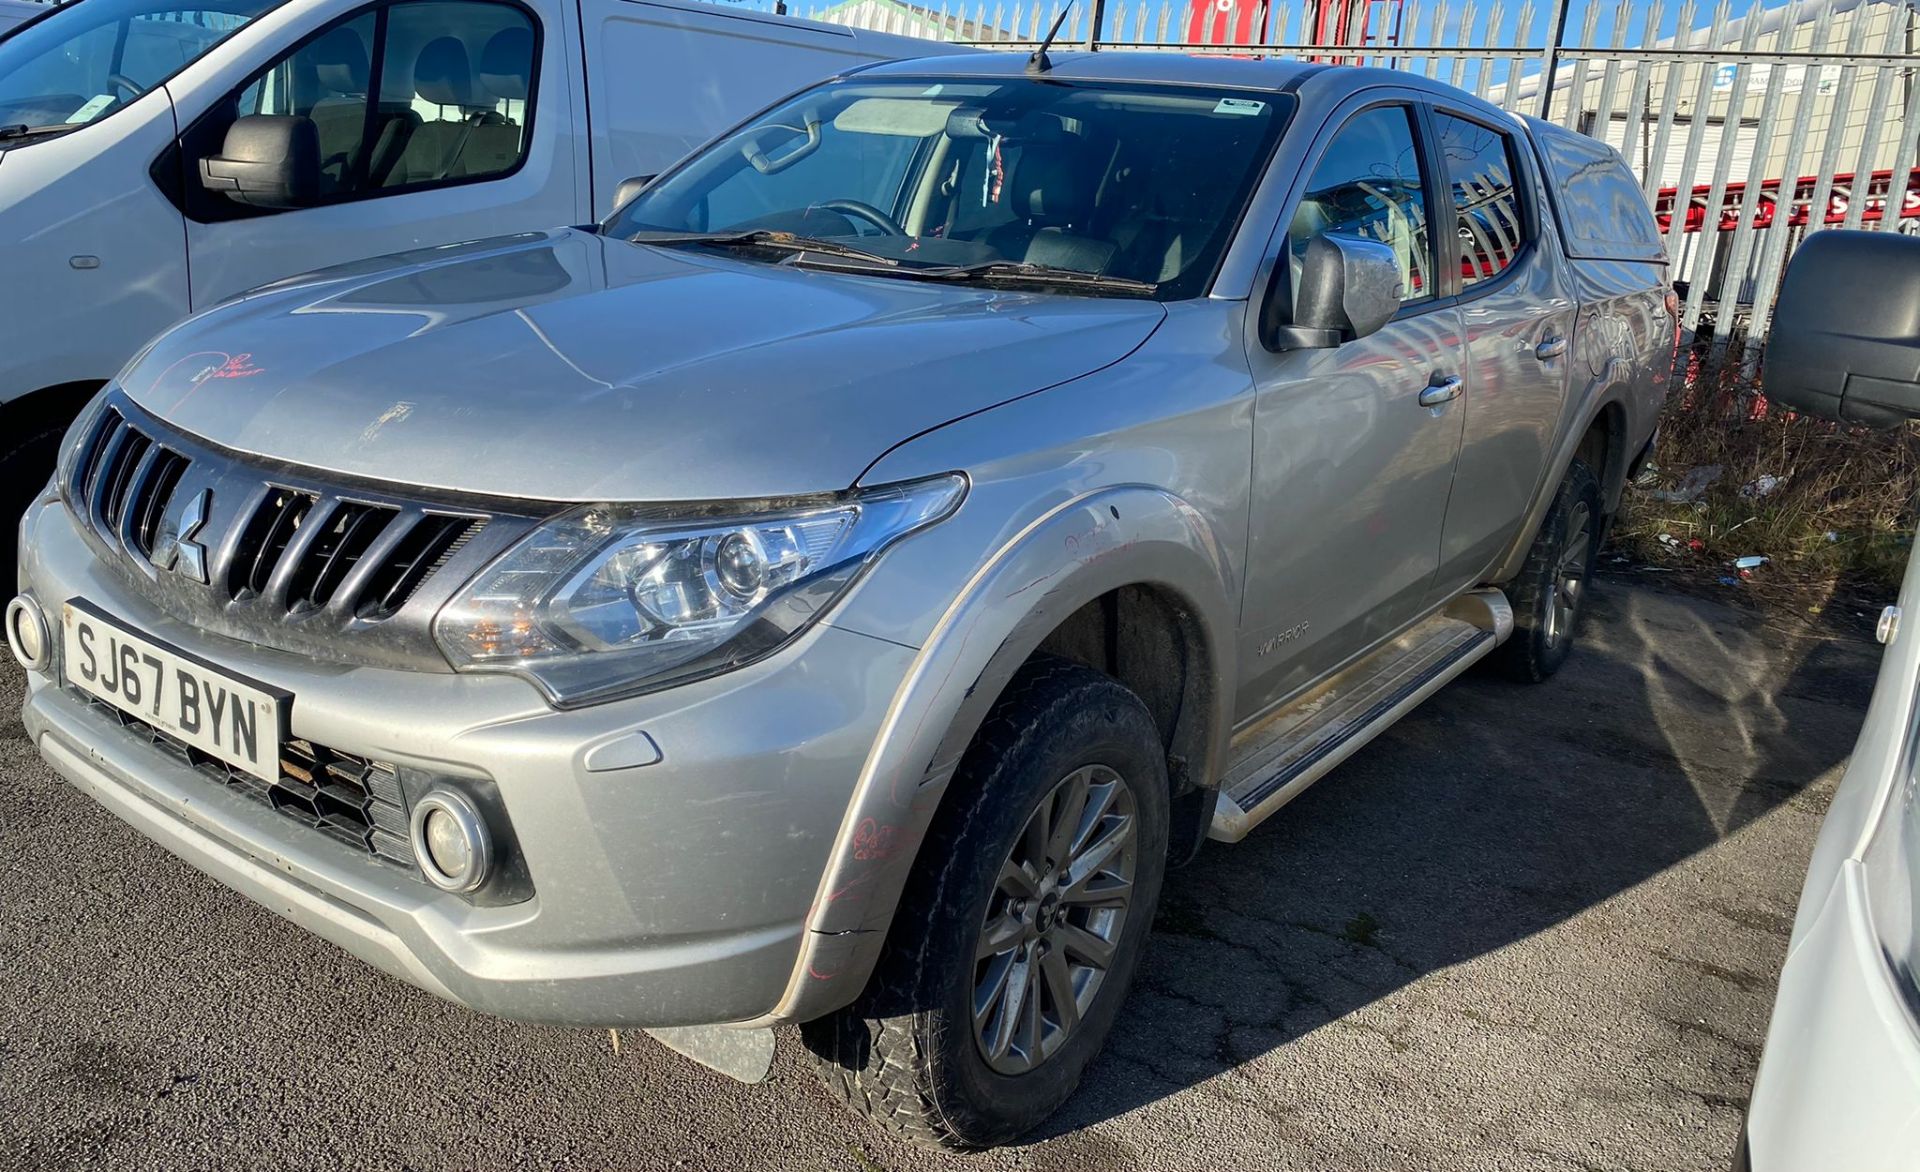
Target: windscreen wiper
{"points": [[1036, 274], [767, 238], [15, 130]]}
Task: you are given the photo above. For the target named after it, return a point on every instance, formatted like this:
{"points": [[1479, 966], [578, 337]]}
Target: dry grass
{"points": [[1839, 520]]}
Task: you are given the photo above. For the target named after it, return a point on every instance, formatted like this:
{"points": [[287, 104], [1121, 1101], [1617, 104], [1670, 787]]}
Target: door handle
{"points": [[1551, 348], [1444, 390]]}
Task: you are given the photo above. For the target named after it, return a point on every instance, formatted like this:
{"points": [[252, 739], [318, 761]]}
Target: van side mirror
{"points": [[267, 161], [1349, 288], [629, 188], [1845, 339]]}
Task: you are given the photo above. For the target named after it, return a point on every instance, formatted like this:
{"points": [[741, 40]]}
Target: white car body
{"points": [[1839, 1081], [100, 258]]}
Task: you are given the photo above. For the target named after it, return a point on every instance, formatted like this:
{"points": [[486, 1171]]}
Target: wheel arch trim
{"points": [[1113, 537]]}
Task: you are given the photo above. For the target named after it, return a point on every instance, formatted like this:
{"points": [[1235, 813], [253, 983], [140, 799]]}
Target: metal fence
{"points": [[1748, 129]]}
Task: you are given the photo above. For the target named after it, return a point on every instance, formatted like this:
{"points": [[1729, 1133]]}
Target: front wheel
{"points": [[1552, 587], [1022, 925]]}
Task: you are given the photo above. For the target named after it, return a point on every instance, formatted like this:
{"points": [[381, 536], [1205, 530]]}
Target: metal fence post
{"points": [[1553, 60], [1095, 17]]}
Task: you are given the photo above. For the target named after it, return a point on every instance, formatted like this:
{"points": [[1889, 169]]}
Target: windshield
{"points": [[1116, 184], [94, 56]]}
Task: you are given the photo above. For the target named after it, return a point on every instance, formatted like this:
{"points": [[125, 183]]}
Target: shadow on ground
{"points": [[1491, 814]]}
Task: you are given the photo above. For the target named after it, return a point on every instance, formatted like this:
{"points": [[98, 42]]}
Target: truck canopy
{"points": [[1601, 211]]}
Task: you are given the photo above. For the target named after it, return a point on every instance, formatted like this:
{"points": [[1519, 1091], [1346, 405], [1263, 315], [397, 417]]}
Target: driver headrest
{"points": [[1054, 183], [506, 64], [340, 61], [442, 74]]}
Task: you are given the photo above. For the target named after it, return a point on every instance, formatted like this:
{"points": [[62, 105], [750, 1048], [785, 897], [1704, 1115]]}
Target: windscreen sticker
{"points": [[91, 110], [1239, 106]]}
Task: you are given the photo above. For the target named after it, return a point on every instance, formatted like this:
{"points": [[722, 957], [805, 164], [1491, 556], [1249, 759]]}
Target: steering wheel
{"points": [[134, 89], [865, 213]]}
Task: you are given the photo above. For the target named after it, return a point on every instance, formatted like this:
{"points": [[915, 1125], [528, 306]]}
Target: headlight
{"points": [[610, 600]]}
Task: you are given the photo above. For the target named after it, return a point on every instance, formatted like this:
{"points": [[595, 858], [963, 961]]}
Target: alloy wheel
{"points": [[1570, 572], [1054, 921]]}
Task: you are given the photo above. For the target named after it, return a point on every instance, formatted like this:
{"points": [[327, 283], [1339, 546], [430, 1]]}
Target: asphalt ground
{"points": [[1528, 928]]}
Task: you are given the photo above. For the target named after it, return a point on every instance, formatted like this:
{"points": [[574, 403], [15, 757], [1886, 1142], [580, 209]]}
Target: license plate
{"points": [[237, 720]]}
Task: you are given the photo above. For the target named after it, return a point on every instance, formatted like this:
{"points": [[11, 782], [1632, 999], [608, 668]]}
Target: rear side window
{"points": [[1600, 209], [1482, 170]]}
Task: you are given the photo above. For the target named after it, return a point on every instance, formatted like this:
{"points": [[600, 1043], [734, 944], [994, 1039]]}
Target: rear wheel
{"points": [[1551, 590], [1022, 926]]}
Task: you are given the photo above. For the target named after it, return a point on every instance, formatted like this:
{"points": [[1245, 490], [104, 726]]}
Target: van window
{"points": [[1370, 184], [449, 98], [88, 60], [1488, 217]]}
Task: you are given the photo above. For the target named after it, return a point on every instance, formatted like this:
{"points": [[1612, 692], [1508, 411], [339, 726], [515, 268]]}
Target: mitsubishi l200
{"points": [[834, 589]]}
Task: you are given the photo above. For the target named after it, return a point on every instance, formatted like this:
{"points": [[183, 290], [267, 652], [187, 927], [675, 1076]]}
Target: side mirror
{"points": [[267, 161], [630, 188], [1348, 288], [1845, 339]]}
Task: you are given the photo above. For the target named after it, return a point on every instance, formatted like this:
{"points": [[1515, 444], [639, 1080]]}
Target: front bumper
{"points": [[669, 893]]}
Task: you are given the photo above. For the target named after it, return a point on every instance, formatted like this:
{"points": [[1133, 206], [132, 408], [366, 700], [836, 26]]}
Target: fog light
{"points": [[450, 841], [27, 633]]}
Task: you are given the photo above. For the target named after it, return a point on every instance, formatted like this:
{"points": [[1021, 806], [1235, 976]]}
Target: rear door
{"points": [[1350, 472], [439, 121], [1516, 313]]}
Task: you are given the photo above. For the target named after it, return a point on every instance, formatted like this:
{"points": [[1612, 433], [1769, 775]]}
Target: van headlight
{"points": [[610, 600]]}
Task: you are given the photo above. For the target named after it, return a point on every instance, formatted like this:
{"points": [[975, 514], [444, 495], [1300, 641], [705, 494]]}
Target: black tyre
{"points": [[1551, 590], [29, 448], [1022, 925]]}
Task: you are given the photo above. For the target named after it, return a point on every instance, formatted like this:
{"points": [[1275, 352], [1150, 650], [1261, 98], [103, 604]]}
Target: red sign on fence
{"points": [[1766, 209], [1226, 22]]}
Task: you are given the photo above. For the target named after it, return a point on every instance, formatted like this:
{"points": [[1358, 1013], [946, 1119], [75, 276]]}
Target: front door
{"points": [[1350, 471], [438, 121]]}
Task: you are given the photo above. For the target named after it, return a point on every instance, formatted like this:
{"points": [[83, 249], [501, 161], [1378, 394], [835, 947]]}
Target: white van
{"points": [[160, 156]]}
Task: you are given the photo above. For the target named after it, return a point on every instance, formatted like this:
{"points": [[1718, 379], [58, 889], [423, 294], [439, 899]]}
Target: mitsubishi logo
{"points": [[178, 551]]}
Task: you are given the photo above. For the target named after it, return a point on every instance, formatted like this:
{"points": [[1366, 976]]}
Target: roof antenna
{"points": [[1040, 62]]}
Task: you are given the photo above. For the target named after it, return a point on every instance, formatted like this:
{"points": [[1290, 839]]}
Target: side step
{"points": [[1272, 762]]}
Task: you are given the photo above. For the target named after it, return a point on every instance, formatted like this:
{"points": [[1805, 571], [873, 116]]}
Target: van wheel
{"points": [[1022, 924], [27, 458], [1551, 590]]}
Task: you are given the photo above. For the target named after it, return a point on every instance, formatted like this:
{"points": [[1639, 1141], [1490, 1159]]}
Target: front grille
{"points": [[269, 554], [125, 481], [348, 798]]}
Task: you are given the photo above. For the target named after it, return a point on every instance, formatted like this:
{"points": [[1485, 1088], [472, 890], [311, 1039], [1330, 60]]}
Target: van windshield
{"points": [[1095, 188], [92, 57]]}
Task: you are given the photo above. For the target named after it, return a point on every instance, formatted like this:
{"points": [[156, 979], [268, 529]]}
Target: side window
{"points": [[1486, 199], [324, 80], [449, 98], [457, 79], [1370, 184]]}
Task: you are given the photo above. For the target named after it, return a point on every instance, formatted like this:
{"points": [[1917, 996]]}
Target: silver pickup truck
{"points": [[835, 589]]}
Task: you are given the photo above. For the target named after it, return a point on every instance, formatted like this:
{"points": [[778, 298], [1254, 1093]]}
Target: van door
{"points": [[438, 121], [1517, 314], [1350, 471]]}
